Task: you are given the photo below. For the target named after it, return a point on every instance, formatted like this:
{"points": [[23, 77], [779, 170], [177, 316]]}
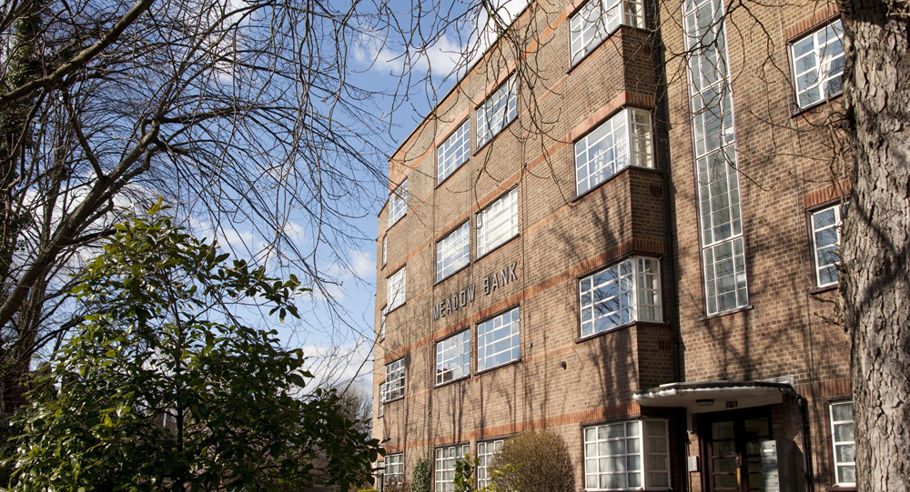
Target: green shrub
{"points": [[421, 477], [534, 460]]}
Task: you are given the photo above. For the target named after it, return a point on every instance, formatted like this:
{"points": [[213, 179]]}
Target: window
{"points": [[842, 439], [385, 249], [818, 63], [396, 285], [496, 112], [597, 19], [498, 340], [825, 242], [612, 147], [444, 470], [485, 453], [453, 152], [625, 292], [382, 324], [453, 357], [616, 456], [394, 468], [714, 136], [398, 203], [453, 251], [394, 381], [497, 223]]}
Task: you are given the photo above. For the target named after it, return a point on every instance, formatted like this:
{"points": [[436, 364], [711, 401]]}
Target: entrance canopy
{"points": [[714, 396]]}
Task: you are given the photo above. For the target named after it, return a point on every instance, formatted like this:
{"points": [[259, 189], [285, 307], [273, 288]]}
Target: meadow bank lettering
{"points": [[462, 298]]}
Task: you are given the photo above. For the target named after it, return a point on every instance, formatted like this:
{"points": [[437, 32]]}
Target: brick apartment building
{"points": [[621, 225]]}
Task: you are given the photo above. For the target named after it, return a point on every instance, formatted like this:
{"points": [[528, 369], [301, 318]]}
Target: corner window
{"points": [[842, 440], [396, 288], [394, 381], [453, 357], [394, 468], [453, 152], [497, 223], [385, 249], [453, 251], [627, 455], [382, 325], [622, 141], [597, 19], [485, 453], [398, 203], [625, 292], [818, 64], [444, 469], [496, 112], [498, 340], [825, 244]]}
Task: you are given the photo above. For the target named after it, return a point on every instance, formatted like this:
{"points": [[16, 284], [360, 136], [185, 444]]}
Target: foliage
{"points": [[397, 486], [464, 470], [421, 476], [533, 460], [163, 386]]}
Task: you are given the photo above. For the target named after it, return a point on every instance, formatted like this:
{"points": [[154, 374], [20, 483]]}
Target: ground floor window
{"points": [[632, 454], [444, 469], [842, 440], [485, 453], [394, 468]]}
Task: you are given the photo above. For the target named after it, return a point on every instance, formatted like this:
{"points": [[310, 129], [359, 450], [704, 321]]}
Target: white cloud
{"points": [[341, 365]]}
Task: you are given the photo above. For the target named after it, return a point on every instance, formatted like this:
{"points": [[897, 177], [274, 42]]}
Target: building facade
{"points": [[622, 225]]}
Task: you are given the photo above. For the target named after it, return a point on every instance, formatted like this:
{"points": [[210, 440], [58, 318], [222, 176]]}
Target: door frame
{"points": [[705, 438]]}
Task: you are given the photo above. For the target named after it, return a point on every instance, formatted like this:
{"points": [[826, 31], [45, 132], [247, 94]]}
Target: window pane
{"points": [[498, 340], [453, 251], [497, 223], [825, 242], [453, 357], [496, 112], [818, 64], [396, 289], [453, 152], [398, 203]]}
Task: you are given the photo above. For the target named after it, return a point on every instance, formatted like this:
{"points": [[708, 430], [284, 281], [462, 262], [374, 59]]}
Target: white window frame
{"points": [[811, 60], [492, 332], [394, 381], [486, 450], [637, 295], [394, 468], [396, 289], [444, 466], [824, 266], [382, 319], [453, 357], [454, 151], [596, 20], [453, 252], [497, 111], [385, 248], [842, 465], [398, 203], [617, 445], [612, 147], [497, 223]]}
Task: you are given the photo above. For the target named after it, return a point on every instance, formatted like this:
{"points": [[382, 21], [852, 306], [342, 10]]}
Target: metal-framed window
{"points": [[394, 381], [486, 450], [825, 244], [843, 442], [817, 63], [396, 287], [497, 223], [622, 141], [453, 251], [714, 136], [444, 466], [398, 203], [497, 111], [624, 292], [385, 249], [394, 468], [596, 19], [453, 357], [453, 152], [382, 317], [498, 340], [617, 458]]}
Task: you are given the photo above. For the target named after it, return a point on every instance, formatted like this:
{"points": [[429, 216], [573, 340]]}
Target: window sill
{"points": [[387, 229], [395, 308], [611, 178], [457, 380], [621, 327], [393, 400], [597, 46], [500, 245], [820, 290], [452, 274], [841, 488], [747, 307], [505, 127], [440, 183], [500, 366]]}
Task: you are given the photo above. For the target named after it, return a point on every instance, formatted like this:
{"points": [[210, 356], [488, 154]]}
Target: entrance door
{"points": [[733, 444]]}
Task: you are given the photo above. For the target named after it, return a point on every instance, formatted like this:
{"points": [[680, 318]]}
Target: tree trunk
{"points": [[876, 243]]}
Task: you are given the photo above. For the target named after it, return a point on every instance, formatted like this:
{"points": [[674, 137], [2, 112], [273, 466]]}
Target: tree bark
{"points": [[876, 242]]}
